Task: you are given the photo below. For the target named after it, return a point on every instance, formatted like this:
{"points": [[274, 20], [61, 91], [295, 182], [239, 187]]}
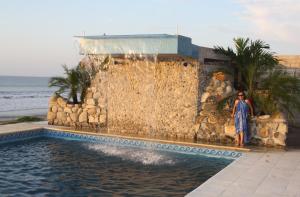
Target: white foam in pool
{"points": [[146, 157]]}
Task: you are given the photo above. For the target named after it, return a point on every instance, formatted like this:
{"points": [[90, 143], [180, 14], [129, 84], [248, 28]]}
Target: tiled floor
{"points": [[265, 174], [269, 174]]}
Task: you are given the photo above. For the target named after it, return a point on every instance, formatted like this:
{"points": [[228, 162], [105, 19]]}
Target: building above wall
{"points": [[145, 44]]}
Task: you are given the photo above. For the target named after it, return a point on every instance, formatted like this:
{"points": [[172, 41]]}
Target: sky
{"points": [[37, 36]]}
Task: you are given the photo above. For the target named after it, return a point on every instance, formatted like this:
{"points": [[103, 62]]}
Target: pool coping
{"points": [[118, 141], [219, 147], [4, 129]]}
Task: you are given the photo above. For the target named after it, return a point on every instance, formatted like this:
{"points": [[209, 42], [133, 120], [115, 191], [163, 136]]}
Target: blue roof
{"points": [[138, 44], [129, 36]]}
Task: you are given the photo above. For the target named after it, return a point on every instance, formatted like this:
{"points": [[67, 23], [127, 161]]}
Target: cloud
{"points": [[273, 19]]}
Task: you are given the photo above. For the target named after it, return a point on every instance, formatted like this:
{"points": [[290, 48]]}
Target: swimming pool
{"points": [[54, 163]]}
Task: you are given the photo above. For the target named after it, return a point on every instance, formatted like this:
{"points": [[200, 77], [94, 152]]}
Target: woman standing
{"points": [[240, 114]]}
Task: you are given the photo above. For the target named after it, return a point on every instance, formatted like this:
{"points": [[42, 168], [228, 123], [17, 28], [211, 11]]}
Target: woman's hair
{"points": [[240, 91]]}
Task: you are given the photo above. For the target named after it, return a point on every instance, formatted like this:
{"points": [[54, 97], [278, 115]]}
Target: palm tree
{"points": [[282, 93], [238, 58], [77, 80], [69, 83], [271, 89]]}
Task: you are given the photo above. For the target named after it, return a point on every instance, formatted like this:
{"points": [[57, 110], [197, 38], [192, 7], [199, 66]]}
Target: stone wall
{"points": [[210, 122], [160, 98], [155, 98], [87, 115], [218, 126]]}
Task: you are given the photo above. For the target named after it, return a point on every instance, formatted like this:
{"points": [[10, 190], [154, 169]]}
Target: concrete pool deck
{"points": [[265, 173]]}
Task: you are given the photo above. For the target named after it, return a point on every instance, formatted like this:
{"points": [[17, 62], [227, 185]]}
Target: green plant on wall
{"points": [[69, 84], [76, 81], [271, 89]]}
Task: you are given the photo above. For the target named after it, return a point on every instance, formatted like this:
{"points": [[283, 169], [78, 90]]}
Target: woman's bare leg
{"points": [[242, 138], [237, 139]]}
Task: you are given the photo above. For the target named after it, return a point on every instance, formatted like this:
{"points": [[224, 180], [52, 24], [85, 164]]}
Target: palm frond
{"points": [[226, 52], [284, 90]]}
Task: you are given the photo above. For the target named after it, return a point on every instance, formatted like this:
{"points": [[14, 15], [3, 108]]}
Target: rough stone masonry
{"points": [[160, 98], [155, 98]]}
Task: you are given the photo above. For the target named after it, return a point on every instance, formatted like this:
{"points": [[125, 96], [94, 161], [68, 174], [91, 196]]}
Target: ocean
{"points": [[24, 96]]}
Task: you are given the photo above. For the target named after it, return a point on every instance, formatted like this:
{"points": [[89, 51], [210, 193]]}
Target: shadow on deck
{"points": [[293, 137]]}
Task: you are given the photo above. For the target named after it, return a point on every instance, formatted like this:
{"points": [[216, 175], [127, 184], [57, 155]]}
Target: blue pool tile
{"points": [[21, 135]]}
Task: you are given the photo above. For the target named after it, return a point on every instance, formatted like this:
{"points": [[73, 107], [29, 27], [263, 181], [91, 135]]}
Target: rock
{"points": [[219, 129], [229, 130], [209, 89], [216, 82], [102, 119], [102, 101], [68, 110], [61, 102], [220, 90], [54, 108], [219, 76], [263, 132], [203, 126], [212, 99], [90, 102], [204, 96], [74, 117], [228, 90], [55, 122], [202, 135], [96, 95], [89, 106], [204, 113], [270, 142], [282, 128], [93, 89], [195, 128], [212, 119], [74, 109], [209, 107], [83, 117], [79, 111], [279, 139], [93, 119], [199, 119], [98, 111], [61, 116], [89, 95], [51, 116], [223, 85], [272, 125], [264, 117], [53, 100], [92, 111]]}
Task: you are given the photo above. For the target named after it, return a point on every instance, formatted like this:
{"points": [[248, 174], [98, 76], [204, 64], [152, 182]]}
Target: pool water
{"points": [[58, 167]]}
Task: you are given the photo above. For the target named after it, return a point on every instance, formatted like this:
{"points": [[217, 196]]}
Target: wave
{"points": [[146, 157], [26, 109], [22, 97]]}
